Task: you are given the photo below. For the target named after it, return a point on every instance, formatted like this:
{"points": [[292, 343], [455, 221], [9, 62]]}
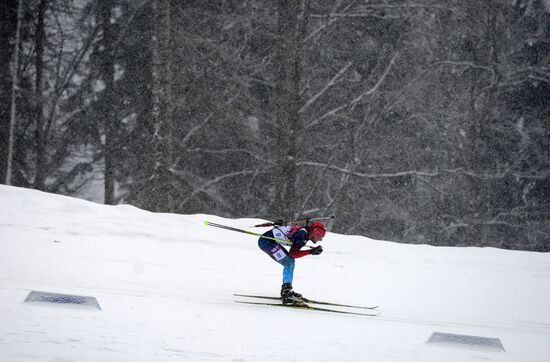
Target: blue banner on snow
{"points": [[46, 297]]}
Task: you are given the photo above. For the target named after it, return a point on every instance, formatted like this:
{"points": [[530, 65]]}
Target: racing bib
{"points": [[281, 232], [279, 254]]}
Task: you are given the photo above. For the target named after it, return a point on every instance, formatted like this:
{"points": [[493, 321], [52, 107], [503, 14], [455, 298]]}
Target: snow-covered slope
{"points": [[165, 284]]}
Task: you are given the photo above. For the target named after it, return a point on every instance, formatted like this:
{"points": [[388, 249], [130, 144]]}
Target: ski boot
{"points": [[290, 297]]}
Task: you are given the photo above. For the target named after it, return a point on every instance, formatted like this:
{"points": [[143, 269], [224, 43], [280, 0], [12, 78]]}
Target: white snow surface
{"points": [[165, 284]]}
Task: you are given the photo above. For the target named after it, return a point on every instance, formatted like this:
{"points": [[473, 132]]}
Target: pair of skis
{"points": [[310, 304]]}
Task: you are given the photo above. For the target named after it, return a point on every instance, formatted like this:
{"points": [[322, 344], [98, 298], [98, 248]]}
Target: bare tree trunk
{"points": [[287, 104], [15, 88], [163, 183], [109, 117], [40, 141]]}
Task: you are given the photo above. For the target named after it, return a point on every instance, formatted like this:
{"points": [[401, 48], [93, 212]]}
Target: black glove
{"points": [[316, 250]]}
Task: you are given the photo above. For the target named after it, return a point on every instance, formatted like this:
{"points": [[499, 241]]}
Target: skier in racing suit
{"points": [[298, 237]]}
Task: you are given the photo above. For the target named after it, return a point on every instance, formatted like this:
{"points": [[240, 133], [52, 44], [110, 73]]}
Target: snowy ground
{"points": [[165, 284]]}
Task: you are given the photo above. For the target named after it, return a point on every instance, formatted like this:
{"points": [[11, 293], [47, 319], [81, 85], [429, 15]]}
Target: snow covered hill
{"points": [[165, 285]]}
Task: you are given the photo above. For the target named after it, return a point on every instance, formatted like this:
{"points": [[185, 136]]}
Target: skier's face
{"points": [[317, 232], [316, 237]]}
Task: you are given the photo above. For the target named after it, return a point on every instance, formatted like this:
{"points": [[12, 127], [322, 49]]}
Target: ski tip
{"points": [[205, 223]]}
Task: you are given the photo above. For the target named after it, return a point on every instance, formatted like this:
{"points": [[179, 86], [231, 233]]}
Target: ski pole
{"points": [[281, 241]]}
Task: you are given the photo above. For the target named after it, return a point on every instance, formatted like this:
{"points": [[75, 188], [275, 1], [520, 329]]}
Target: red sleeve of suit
{"points": [[295, 252]]}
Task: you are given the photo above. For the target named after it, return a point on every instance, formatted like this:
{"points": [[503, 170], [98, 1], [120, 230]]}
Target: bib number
{"points": [[279, 235], [279, 254]]}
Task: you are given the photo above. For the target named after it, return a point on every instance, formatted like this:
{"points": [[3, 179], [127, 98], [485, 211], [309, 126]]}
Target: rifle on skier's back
{"points": [[306, 221]]}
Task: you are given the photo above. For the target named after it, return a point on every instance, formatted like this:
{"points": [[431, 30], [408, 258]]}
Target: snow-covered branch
{"points": [[330, 113], [332, 82], [481, 176], [370, 91], [228, 151], [193, 130], [212, 182]]}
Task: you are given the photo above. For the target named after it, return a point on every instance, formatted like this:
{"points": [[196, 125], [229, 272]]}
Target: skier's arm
{"points": [[299, 240], [295, 252]]}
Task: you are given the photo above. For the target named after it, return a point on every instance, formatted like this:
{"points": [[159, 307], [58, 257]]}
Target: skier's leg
{"points": [[288, 269], [280, 255], [287, 294], [274, 250]]}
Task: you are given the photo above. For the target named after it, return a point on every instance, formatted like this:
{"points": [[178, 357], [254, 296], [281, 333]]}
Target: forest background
{"points": [[418, 121]]}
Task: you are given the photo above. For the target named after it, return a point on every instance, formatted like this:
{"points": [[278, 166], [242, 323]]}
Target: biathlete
{"points": [[298, 237]]}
